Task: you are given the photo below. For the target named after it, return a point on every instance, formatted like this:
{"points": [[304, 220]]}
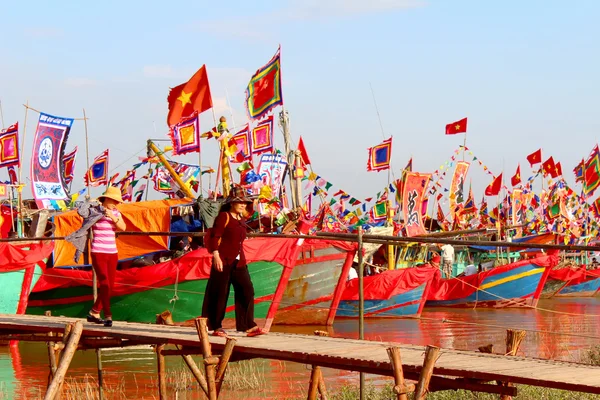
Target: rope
{"points": [[175, 296]]}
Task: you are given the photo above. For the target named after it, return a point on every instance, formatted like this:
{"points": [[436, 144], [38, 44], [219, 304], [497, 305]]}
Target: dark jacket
{"points": [[228, 235]]}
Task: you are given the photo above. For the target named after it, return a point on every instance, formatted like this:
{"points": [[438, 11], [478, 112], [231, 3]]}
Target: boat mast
{"points": [[284, 121]]}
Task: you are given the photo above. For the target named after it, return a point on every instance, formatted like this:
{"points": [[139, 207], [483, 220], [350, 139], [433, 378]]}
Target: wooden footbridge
{"points": [[432, 368]]}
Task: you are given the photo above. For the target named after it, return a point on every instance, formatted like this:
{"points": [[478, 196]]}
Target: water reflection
{"points": [[131, 373]]}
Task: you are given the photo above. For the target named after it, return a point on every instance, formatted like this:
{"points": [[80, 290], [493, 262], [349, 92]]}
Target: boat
{"points": [[21, 265], [518, 284], [587, 284], [390, 294]]}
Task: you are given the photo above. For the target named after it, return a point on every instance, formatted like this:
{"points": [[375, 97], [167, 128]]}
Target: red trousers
{"points": [[105, 266]]}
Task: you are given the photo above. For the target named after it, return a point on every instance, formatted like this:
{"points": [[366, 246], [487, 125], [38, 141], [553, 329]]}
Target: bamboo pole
{"points": [[224, 359], [313, 387], [396, 361], [184, 188], [161, 369], [209, 361], [65, 361], [51, 355], [20, 225], [513, 342], [422, 388]]}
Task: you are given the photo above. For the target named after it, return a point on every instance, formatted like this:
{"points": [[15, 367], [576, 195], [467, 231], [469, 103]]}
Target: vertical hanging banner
{"points": [[457, 186], [412, 201], [69, 166], [9, 146], [270, 169], [518, 210], [47, 167], [262, 137]]}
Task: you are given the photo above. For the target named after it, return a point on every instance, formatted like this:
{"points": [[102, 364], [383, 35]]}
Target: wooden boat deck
{"points": [[347, 354]]}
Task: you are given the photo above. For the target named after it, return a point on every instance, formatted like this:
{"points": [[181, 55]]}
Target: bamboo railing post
{"points": [[313, 387], [210, 362], [400, 388], [431, 356], [222, 366], [51, 355], [161, 368], [166, 318], [322, 388], [65, 361], [513, 342]]}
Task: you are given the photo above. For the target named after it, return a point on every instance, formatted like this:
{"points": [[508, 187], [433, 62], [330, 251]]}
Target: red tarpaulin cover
{"points": [[390, 283], [573, 275], [15, 257], [456, 288], [191, 266]]}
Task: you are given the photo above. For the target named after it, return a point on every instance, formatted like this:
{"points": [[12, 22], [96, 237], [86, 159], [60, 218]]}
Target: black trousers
{"points": [[217, 294]]}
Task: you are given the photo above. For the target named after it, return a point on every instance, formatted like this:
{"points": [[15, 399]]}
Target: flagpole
{"points": [[465, 146], [20, 226], [87, 156]]}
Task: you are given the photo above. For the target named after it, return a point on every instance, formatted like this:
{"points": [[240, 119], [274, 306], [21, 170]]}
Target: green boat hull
{"points": [[184, 299]]}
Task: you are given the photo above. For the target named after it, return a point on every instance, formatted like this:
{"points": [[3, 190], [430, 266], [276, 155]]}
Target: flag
{"points": [[457, 127], [303, 153], [140, 192], [592, 171], [494, 188], [69, 165], [558, 169], [185, 135], [194, 95], [97, 175], [549, 167], [535, 157], [126, 185], [379, 156], [9, 146], [242, 145], [579, 171], [262, 137], [379, 211], [264, 89], [408, 167], [516, 179], [469, 206], [12, 175]]}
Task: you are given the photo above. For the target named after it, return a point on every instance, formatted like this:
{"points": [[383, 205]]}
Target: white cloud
{"points": [[80, 82]]}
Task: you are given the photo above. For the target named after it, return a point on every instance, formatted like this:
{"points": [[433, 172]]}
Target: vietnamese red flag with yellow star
{"points": [[535, 157], [494, 188], [194, 95], [550, 167], [516, 179], [457, 127]]}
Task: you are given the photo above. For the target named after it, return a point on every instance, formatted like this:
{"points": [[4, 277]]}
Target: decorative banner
{"points": [[457, 186], [186, 135], [518, 210], [262, 137], [97, 175], [3, 190], [264, 90], [47, 173], [9, 146], [126, 185], [270, 169], [379, 156], [242, 144], [69, 165], [412, 200]]}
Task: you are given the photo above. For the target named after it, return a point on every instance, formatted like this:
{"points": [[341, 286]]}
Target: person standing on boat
{"points": [[104, 253], [229, 267], [447, 260]]}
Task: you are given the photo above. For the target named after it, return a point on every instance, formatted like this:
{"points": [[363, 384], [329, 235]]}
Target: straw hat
{"points": [[113, 193]]}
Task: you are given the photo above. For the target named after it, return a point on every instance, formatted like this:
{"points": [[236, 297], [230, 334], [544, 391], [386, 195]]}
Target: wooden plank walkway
{"points": [[346, 354]]}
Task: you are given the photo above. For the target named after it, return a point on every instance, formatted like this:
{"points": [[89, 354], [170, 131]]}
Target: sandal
{"points": [[219, 332], [94, 319], [256, 331]]}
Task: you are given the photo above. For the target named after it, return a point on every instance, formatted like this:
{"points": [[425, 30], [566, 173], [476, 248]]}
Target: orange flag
{"points": [[303, 153], [194, 95], [516, 179]]}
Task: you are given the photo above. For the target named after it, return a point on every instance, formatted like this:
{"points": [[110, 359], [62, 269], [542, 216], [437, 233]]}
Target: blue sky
{"points": [[525, 73]]}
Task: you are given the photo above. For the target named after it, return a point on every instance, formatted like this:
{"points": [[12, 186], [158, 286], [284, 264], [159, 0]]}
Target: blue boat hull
{"points": [[408, 304], [517, 287], [584, 289]]}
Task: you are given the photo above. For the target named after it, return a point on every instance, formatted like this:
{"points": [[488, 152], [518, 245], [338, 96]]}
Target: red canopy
{"points": [[14, 257]]}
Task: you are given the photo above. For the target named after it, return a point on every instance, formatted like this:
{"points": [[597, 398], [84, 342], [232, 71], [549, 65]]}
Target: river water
{"points": [[560, 329]]}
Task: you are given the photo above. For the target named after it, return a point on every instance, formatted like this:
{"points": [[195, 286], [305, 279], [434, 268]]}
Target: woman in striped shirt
{"points": [[104, 254]]}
